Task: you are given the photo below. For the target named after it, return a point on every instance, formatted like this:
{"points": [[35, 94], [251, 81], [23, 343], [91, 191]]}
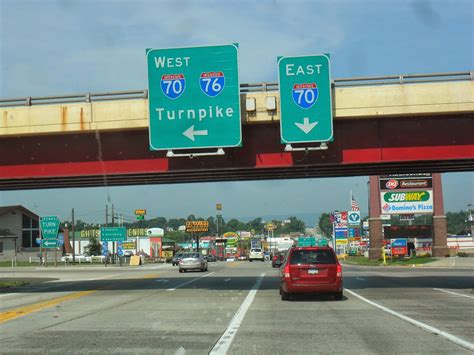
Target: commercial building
{"points": [[19, 229]]}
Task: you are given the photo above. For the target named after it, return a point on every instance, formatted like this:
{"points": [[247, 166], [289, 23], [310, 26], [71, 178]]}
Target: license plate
{"points": [[313, 271]]}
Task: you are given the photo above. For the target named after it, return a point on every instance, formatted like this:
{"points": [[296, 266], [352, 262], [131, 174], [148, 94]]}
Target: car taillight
{"points": [[339, 270], [286, 271]]}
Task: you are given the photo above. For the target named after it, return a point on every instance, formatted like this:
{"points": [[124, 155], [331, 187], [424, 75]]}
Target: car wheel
{"points": [[338, 296], [284, 295], [181, 270], [263, 260], [250, 260]]}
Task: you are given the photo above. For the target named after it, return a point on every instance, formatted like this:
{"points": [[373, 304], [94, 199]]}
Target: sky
{"points": [[60, 47]]}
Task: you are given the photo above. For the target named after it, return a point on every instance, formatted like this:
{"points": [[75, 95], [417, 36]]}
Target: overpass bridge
{"points": [[392, 124], [382, 125]]}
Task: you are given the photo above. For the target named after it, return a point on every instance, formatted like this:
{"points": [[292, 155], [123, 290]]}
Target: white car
{"points": [[79, 258], [256, 254]]}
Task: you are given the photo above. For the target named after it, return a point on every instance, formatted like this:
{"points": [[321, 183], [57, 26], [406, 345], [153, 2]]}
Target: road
{"points": [[235, 308]]}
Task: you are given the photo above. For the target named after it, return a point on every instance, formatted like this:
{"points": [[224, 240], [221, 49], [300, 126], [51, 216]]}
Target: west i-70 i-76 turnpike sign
{"points": [[194, 97]]}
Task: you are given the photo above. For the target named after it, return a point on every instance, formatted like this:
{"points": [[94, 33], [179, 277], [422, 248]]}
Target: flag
{"points": [[354, 205]]}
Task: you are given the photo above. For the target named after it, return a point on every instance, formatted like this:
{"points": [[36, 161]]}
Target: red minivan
{"points": [[311, 270]]}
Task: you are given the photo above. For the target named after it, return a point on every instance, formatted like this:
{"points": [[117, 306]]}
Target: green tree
{"points": [[177, 236], [295, 225], [255, 224], [94, 247], [457, 222], [235, 225], [325, 225]]}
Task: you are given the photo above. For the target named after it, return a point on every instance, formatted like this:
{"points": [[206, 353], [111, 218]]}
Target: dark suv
{"points": [[311, 270], [176, 258]]}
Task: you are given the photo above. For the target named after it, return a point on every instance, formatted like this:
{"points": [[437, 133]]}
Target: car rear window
{"points": [[256, 250], [312, 257], [191, 255]]}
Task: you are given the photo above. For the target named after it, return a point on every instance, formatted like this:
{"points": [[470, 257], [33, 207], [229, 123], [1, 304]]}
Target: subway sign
{"points": [[406, 196], [410, 202]]}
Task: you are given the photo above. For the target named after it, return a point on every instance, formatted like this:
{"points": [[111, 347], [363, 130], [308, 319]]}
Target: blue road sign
{"points": [[105, 248], [353, 217]]}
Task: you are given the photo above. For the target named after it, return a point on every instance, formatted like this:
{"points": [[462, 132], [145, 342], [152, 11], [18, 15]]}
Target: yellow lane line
{"points": [[149, 276], [23, 311], [233, 263]]}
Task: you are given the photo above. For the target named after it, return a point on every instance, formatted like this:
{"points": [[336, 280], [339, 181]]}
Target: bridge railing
{"points": [[244, 88]]}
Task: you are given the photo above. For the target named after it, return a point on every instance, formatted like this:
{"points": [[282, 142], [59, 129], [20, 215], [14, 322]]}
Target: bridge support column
{"points": [[375, 230], [440, 240], [375, 222]]}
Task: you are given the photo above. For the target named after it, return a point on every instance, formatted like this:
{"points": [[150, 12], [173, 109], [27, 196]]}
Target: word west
{"points": [[200, 114], [168, 62]]}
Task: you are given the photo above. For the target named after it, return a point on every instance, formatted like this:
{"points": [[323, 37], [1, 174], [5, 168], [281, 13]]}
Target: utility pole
{"points": [[73, 239], [106, 225], [113, 243]]}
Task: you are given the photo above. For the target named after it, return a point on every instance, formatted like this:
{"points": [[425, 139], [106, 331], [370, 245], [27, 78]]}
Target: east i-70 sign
{"points": [[305, 99], [194, 97]]}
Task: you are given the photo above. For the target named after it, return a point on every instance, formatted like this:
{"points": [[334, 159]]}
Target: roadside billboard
{"points": [[403, 202], [406, 181], [399, 246]]}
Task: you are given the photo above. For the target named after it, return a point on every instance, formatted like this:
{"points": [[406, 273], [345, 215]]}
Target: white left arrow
{"points": [[306, 127], [190, 133]]}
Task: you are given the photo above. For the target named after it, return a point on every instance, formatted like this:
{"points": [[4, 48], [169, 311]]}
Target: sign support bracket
{"points": [[290, 148], [171, 154]]}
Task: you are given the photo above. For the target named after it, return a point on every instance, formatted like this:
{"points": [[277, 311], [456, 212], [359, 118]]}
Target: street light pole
{"points": [[73, 239]]}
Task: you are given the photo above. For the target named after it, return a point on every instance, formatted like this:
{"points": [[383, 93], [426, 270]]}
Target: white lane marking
{"points": [[461, 342], [453, 293], [187, 283], [161, 280], [223, 344], [100, 278], [360, 278], [227, 280]]}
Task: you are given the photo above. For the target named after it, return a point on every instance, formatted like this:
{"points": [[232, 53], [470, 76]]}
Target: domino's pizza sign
{"points": [[212, 83], [173, 85], [305, 94]]}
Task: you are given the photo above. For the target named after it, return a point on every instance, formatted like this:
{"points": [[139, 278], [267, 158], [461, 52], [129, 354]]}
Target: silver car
{"points": [[192, 261]]}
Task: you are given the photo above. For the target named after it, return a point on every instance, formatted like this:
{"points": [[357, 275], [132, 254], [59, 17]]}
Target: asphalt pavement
{"points": [[235, 308]]}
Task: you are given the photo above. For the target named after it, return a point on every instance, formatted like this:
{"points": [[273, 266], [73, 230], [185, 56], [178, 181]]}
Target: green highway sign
{"points": [[113, 234], [140, 217], [306, 241], [194, 97], [305, 99], [47, 243], [49, 226]]}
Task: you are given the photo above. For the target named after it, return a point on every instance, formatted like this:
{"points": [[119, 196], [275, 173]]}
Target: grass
{"points": [[19, 263], [10, 284], [360, 260]]}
